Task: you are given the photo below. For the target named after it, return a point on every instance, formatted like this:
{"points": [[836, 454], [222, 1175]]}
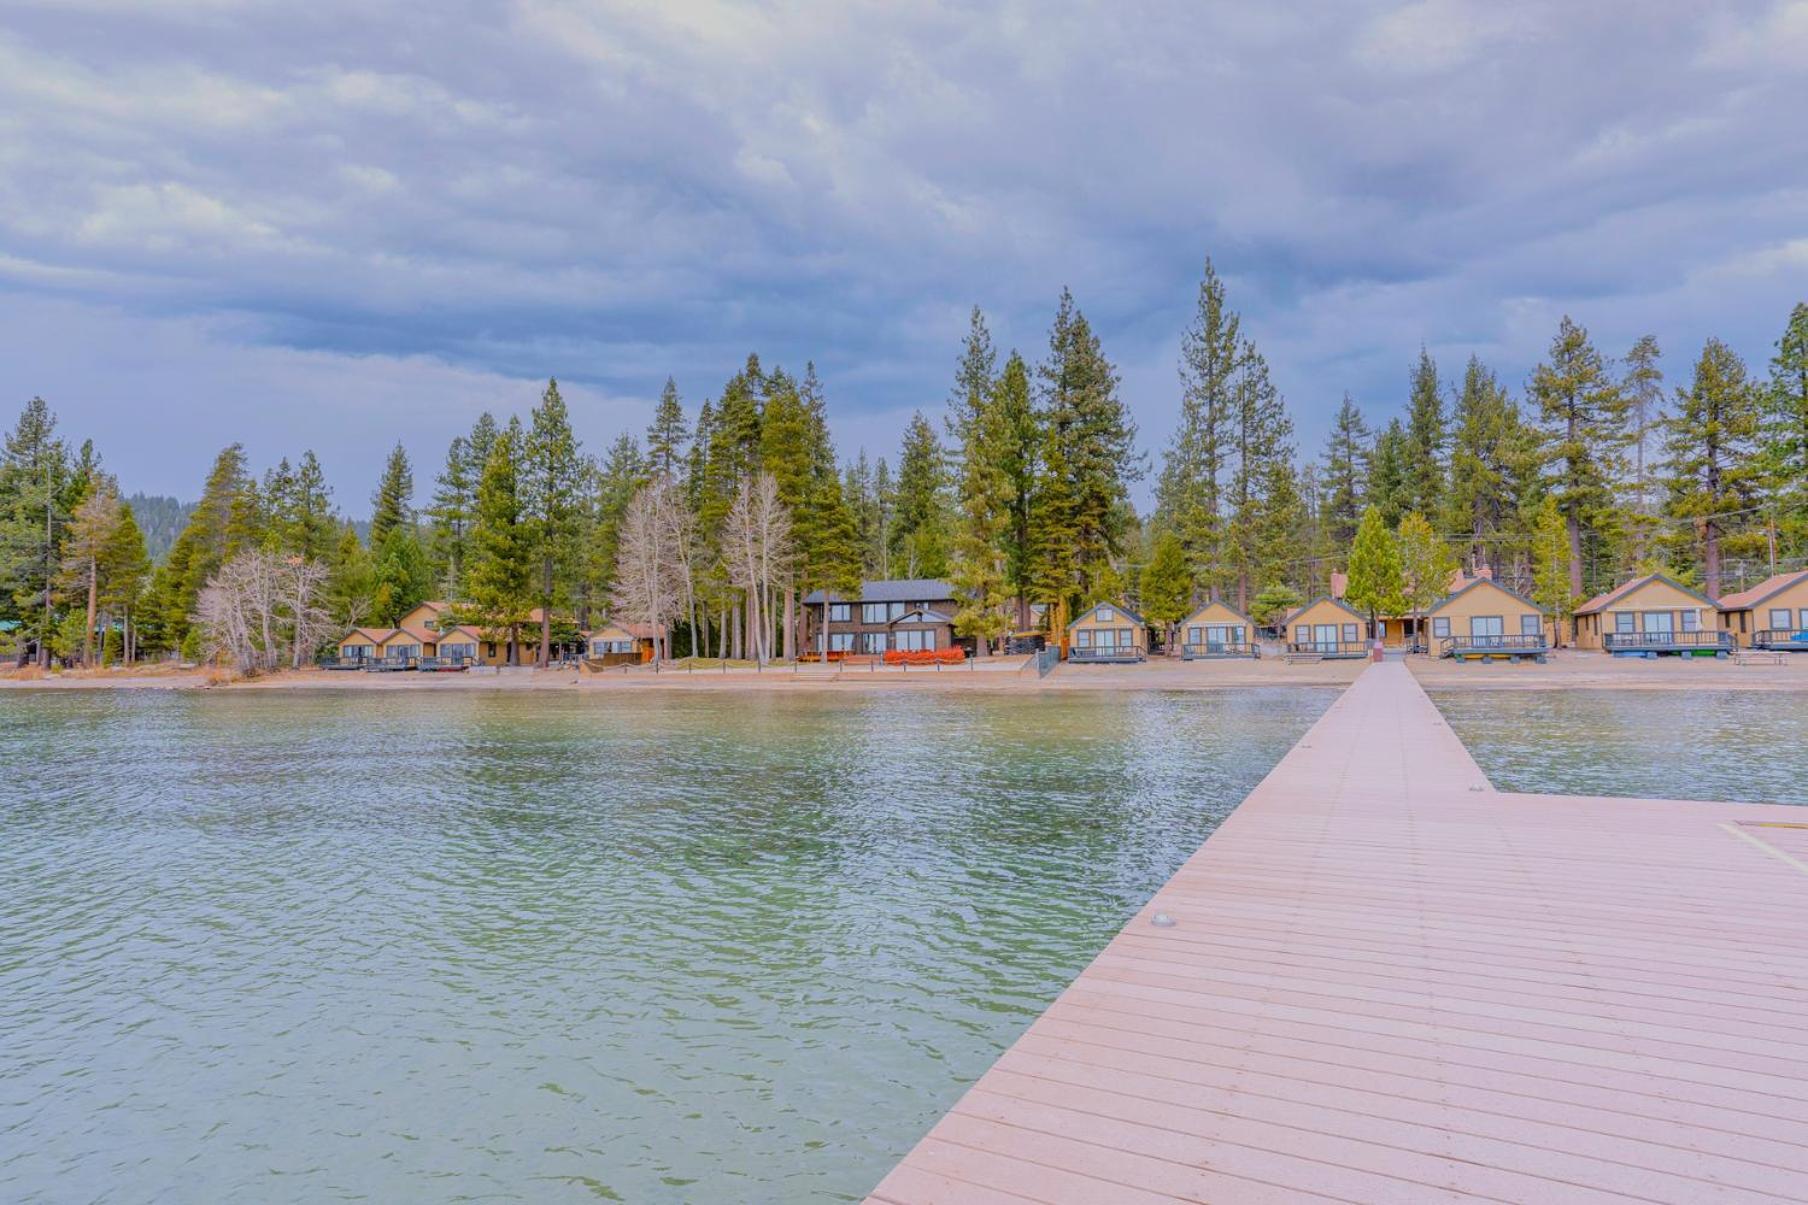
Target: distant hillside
{"points": [[161, 520]]}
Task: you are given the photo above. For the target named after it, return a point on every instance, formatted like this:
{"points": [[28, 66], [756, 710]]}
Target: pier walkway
{"points": [[1387, 981]]}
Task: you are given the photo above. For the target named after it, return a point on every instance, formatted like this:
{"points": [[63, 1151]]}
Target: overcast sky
{"points": [[336, 224]]}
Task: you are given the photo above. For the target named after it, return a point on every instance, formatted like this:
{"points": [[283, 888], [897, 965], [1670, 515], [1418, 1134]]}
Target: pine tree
{"points": [[221, 524], [667, 433], [402, 578], [1711, 442], [1388, 491], [1260, 523], [351, 585], [550, 474], [1584, 418], [1377, 579], [1188, 493], [1166, 586], [1019, 462], [921, 532], [1785, 430], [1424, 463], [34, 490], [981, 424], [503, 543], [392, 504], [1485, 470], [93, 529], [1091, 440], [1346, 471], [125, 569], [450, 513], [1643, 385]]}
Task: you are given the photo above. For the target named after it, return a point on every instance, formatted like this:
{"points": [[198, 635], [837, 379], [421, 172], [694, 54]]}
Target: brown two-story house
{"points": [[909, 614]]}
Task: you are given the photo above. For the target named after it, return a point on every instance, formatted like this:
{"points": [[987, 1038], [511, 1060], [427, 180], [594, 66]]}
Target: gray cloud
{"points": [[389, 216]]}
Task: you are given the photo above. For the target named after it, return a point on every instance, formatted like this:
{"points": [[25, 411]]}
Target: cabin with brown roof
{"points": [[357, 648], [1651, 616], [1483, 620], [1770, 615], [1327, 627], [1218, 630], [1108, 632], [622, 644]]}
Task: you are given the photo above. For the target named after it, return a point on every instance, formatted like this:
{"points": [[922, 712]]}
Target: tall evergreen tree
{"points": [[503, 543], [1345, 473], [221, 525], [450, 515], [1486, 466], [1551, 574], [1165, 588], [1020, 430], [392, 505], [1377, 582], [34, 496], [549, 478], [1712, 437], [402, 577], [921, 531], [1786, 431], [1584, 414], [1264, 494], [667, 433], [1643, 384], [1189, 490], [1388, 491], [1425, 438], [1092, 441], [982, 540]]}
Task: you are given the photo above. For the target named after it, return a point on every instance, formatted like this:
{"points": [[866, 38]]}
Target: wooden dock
{"points": [[1387, 981]]}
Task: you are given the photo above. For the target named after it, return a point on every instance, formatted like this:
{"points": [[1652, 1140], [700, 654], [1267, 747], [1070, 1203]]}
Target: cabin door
{"points": [[1324, 635], [1660, 623]]}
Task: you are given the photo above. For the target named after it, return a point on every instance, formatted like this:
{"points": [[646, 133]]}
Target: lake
{"points": [[559, 947], [1750, 746]]}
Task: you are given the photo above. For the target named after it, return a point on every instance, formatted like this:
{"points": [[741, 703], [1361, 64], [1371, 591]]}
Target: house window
{"points": [[1531, 625], [1350, 635], [915, 641], [1624, 622], [841, 612], [1804, 623], [458, 652], [872, 642], [1105, 615], [1691, 621], [1192, 635], [1779, 619], [1440, 626], [1659, 622], [841, 642], [894, 610], [1486, 625], [1083, 638], [872, 612]]}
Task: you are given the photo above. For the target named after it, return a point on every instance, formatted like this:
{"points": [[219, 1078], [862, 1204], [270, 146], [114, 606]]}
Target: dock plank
{"points": [[1387, 980]]}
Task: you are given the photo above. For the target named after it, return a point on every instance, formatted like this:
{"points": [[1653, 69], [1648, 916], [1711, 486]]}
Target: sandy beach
{"points": [[1566, 670]]}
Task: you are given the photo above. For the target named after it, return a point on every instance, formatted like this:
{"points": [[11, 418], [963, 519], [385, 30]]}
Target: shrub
{"points": [[947, 656]]}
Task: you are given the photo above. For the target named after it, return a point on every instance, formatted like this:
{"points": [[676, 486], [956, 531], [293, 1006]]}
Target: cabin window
{"points": [[1624, 622], [1804, 623], [1106, 615], [915, 641], [841, 642], [1083, 638], [1350, 635], [1192, 635], [872, 612], [872, 642], [1659, 622], [1531, 625], [841, 612], [1217, 637], [1691, 621], [1487, 625], [1440, 626], [1779, 619]]}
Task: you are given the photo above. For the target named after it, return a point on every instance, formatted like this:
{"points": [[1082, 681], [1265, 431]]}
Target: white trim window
{"points": [[1440, 626], [1106, 615], [915, 640], [1531, 625], [1691, 621], [841, 612], [1780, 619], [841, 642]]}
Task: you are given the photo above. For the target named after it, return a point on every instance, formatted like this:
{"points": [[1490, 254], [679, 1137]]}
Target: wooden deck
{"points": [[1388, 982]]}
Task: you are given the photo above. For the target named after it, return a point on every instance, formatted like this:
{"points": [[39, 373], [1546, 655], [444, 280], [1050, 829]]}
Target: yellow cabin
{"points": [[404, 647], [425, 617], [620, 644], [1649, 616], [1485, 620], [460, 646], [1108, 633], [1327, 627], [357, 648], [1771, 615], [1218, 630]]}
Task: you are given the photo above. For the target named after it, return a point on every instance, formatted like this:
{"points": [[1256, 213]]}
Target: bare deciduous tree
{"points": [[259, 606], [758, 551], [651, 560]]}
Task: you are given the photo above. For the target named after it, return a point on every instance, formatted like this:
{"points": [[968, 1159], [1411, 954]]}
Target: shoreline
{"points": [[1565, 671]]}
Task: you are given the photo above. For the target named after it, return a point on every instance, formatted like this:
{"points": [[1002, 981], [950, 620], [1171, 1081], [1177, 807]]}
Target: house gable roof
{"points": [[1114, 606], [1220, 605], [1600, 601], [1483, 581], [1324, 598], [374, 635], [903, 589], [446, 636], [1745, 600]]}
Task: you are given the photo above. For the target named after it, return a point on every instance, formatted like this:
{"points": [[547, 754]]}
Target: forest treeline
{"points": [[718, 519]]}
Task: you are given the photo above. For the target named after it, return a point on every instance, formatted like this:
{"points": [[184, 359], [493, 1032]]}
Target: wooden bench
{"points": [[1757, 657]]}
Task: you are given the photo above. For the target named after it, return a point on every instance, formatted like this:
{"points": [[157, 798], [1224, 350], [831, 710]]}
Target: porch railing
{"points": [[1220, 648], [1113, 653], [444, 663], [1659, 642], [1329, 648], [1516, 644], [1790, 639]]}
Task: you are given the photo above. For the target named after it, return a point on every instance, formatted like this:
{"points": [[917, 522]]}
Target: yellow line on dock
{"points": [[1766, 846]]}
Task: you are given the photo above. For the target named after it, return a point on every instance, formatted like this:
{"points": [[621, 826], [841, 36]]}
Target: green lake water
{"points": [[545, 947], [1750, 746]]}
